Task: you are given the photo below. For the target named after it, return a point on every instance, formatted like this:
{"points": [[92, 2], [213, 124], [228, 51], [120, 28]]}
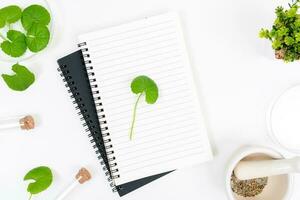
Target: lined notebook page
{"points": [[169, 134]]}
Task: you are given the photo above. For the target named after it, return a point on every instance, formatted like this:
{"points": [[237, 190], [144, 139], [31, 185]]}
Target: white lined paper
{"points": [[169, 134]]}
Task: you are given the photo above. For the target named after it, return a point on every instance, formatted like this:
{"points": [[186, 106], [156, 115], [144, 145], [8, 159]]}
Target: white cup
{"points": [[278, 187]]}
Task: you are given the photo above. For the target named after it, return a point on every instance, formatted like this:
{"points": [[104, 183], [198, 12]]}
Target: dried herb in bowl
{"points": [[248, 188]]}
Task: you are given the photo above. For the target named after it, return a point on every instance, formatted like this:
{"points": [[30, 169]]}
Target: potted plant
{"points": [[285, 33]]}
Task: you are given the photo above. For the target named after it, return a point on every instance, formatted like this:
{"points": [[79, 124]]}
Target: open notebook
{"points": [[169, 134], [73, 71]]}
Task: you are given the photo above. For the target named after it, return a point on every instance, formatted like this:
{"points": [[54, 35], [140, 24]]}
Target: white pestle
{"points": [[246, 170]]}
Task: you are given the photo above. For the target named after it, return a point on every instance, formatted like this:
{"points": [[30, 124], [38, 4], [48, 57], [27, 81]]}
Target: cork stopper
{"points": [[27, 123], [83, 175]]}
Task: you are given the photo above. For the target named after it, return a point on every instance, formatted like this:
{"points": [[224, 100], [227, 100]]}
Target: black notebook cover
{"points": [[75, 75]]}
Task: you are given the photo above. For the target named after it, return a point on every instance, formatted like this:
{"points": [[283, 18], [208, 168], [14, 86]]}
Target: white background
{"points": [[237, 78]]}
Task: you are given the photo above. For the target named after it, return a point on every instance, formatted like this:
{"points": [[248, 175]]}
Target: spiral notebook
{"points": [[74, 74], [169, 134]]}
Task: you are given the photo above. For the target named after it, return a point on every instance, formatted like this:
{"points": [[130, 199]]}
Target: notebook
{"points": [[169, 134], [74, 74]]}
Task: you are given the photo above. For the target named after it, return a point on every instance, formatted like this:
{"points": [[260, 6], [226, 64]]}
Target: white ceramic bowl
{"points": [[278, 132], [23, 4], [278, 187]]}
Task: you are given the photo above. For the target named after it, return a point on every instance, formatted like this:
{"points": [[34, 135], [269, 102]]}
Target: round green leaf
{"points": [[35, 14], [145, 84], [9, 15], [38, 37], [21, 80], [43, 178], [16, 45]]}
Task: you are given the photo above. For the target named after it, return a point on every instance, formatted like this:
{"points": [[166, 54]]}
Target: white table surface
{"points": [[237, 78]]}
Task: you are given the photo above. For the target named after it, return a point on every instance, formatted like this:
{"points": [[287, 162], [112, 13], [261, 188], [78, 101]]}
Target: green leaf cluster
{"points": [[143, 85], [285, 32], [35, 20], [42, 177]]}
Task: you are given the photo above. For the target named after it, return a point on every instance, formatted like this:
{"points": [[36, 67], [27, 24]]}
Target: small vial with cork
{"points": [[81, 177], [25, 122]]}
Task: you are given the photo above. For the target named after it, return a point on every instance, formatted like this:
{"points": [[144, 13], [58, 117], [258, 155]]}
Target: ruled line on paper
{"points": [[136, 53], [138, 59], [116, 98], [141, 118], [126, 81], [182, 138], [146, 111], [153, 130], [132, 74], [147, 154], [167, 160], [151, 155], [136, 48], [127, 31], [159, 148], [127, 45], [159, 76], [121, 107], [135, 69], [145, 64], [170, 31]]}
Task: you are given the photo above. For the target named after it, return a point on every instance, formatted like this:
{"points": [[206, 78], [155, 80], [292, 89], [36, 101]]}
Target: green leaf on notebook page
{"points": [[15, 46], [37, 38], [35, 14], [21, 80], [143, 85], [42, 177], [9, 15]]}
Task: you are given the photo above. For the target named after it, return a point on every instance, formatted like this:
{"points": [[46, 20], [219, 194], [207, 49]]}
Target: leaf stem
{"points": [[30, 197], [133, 118]]}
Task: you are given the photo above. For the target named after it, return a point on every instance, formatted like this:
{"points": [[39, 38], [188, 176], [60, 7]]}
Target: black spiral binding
{"points": [[75, 95], [101, 114]]}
